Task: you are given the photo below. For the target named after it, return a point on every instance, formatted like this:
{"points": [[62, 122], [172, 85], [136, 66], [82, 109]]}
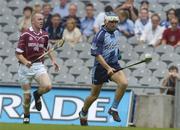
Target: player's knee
{"points": [[48, 87], [123, 84]]}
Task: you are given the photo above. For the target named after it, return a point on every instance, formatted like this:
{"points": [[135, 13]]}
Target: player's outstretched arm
{"points": [[53, 60]]}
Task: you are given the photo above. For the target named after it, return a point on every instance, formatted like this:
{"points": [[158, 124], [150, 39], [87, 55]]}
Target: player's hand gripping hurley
{"points": [[57, 44], [145, 60]]}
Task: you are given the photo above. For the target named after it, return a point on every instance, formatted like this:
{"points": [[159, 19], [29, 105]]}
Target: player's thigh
{"points": [[25, 75], [119, 78], [95, 89], [43, 80]]}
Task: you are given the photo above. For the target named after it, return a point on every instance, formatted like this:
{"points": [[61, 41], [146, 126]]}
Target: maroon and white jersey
{"points": [[32, 45]]}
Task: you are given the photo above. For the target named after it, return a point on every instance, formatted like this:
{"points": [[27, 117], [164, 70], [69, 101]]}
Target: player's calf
{"points": [[37, 98]]}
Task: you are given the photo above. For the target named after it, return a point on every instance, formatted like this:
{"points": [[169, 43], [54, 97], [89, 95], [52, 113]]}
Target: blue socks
{"points": [[115, 104]]}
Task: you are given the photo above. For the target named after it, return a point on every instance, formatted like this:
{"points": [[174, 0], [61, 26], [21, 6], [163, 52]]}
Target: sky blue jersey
{"points": [[106, 44]]}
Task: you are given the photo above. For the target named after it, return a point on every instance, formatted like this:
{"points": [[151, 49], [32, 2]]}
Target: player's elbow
{"points": [[17, 55]]}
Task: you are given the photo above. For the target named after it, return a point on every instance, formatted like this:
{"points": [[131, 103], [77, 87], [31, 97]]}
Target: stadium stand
{"points": [[76, 63]]}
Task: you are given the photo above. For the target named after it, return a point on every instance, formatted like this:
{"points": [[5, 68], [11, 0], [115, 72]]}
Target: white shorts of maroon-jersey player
{"points": [[38, 73]]}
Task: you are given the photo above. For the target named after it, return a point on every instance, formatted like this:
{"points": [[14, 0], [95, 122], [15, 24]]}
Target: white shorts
{"points": [[26, 75]]}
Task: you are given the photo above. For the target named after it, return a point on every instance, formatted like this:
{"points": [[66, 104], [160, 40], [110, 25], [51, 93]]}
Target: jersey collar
{"points": [[32, 30]]}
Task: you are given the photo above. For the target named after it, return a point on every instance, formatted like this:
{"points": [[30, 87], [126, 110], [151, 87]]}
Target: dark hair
{"points": [[167, 12], [144, 1], [173, 67], [90, 4], [156, 15], [123, 13], [46, 4], [108, 8], [56, 15], [28, 8]]}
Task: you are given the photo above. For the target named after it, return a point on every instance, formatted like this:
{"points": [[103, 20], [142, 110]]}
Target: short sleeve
{"points": [[21, 44]]}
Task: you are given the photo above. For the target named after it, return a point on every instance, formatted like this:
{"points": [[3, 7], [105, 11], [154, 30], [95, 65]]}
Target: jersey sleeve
{"points": [[97, 44], [21, 44]]}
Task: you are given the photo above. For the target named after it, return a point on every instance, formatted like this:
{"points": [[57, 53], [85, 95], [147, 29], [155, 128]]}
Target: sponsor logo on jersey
{"points": [[30, 38]]}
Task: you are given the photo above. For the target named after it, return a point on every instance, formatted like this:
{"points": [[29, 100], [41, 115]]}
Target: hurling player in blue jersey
{"points": [[105, 50]]}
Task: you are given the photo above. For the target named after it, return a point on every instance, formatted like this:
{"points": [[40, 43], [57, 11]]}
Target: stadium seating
{"points": [[66, 54], [63, 78], [78, 70], [83, 79], [140, 73], [170, 57], [132, 81], [160, 73], [177, 50], [124, 47], [73, 61], [154, 65], [140, 49], [89, 63], [129, 56], [164, 49], [149, 81]]}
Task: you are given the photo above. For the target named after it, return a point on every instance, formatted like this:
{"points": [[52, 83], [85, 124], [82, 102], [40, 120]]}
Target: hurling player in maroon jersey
{"points": [[32, 44]]}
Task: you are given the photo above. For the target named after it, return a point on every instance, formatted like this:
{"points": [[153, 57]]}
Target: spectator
{"points": [[37, 8], [171, 13], [128, 5], [125, 26], [71, 33], [47, 15], [99, 21], [25, 22], [145, 5], [61, 9], [88, 21], [169, 82], [178, 13], [141, 22], [153, 33], [55, 30], [72, 14], [171, 35]]}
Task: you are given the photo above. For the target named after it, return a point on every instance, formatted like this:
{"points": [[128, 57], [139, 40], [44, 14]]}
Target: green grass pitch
{"points": [[16, 126]]}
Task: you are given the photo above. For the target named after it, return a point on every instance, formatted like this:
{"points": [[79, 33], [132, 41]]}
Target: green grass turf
{"points": [[16, 126]]}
